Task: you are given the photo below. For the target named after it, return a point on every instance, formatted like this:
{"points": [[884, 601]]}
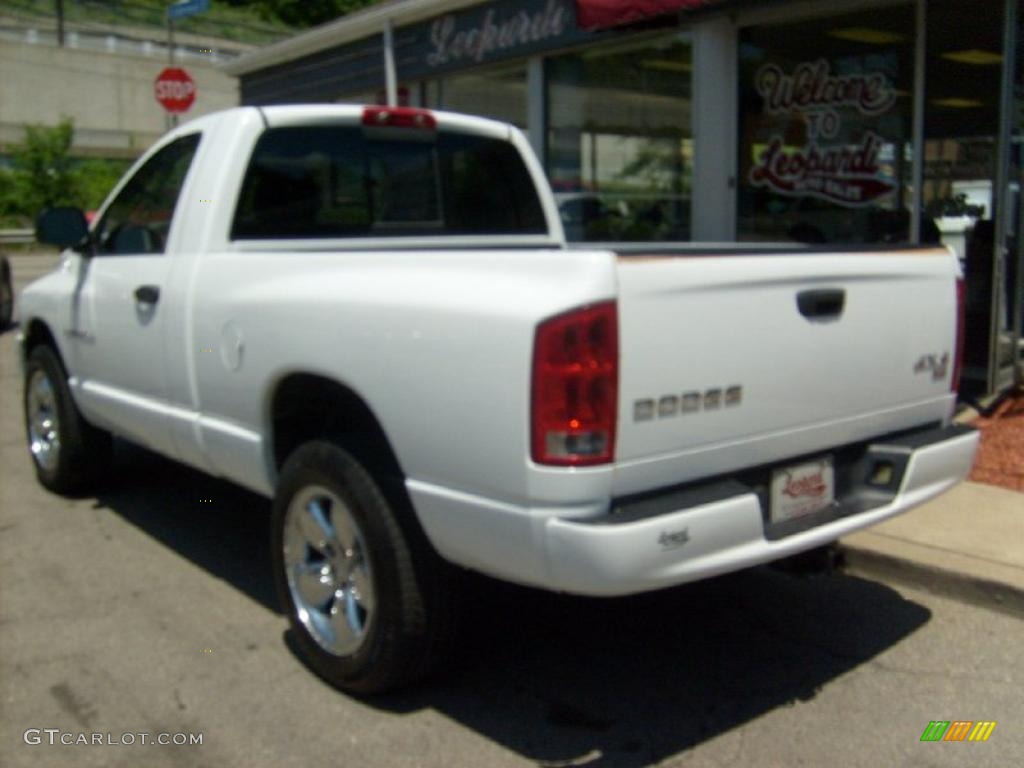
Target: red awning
{"points": [[597, 14]]}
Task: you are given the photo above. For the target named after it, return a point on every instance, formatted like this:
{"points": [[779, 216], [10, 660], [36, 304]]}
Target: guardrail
{"points": [[17, 236], [117, 42]]}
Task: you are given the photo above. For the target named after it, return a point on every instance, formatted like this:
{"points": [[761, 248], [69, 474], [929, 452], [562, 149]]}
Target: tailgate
{"points": [[731, 361]]}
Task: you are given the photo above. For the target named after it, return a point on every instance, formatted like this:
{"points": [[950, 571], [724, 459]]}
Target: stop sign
{"points": [[175, 89]]}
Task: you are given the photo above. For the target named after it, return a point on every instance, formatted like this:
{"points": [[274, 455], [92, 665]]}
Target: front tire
{"points": [[372, 606], [68, 453]]}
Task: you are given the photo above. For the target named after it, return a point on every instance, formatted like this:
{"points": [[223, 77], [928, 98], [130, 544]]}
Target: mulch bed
{"points": [[1000, 459]]}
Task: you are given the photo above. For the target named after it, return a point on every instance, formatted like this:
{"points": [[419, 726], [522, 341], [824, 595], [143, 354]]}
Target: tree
{"points": [[303, 13], [93, 180], [43, 168], [43, 174]]}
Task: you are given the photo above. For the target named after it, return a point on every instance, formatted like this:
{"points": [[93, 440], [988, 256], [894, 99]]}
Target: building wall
{"points": [[108, 95]]}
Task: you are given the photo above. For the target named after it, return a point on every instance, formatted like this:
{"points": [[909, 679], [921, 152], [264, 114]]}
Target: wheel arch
{"points": [[37, 333], [303, 406]]}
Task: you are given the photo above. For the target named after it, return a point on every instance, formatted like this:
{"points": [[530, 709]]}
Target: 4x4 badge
{"points": [[937, 365]]}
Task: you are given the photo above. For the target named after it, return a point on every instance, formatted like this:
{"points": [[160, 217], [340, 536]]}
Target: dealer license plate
{"points": [[802, 489]]}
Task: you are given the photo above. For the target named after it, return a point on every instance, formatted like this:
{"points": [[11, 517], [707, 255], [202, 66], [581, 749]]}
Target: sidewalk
{"points": [[967, 543]]}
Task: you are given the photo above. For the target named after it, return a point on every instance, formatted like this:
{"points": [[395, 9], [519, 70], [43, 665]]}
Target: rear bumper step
{"points": [[686, 534]]}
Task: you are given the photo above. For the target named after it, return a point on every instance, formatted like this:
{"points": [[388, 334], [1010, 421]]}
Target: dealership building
{"points": [[860, 121]]}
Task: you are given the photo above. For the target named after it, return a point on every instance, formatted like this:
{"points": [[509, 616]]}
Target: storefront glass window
{"points": [[431, 90], [620, 148], [826, 111], [407, 95], [496, 93], [362, 97], [963, 78]]}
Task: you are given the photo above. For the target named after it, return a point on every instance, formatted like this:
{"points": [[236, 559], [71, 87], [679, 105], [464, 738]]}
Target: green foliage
{"points": [[42, 166], [44, 174], [302, 13], [240, 22], [257, 22], [9, 218], [94, 178]]}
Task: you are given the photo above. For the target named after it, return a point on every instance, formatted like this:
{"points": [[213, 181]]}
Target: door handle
{"points": [[147, 294], [821, 302]]}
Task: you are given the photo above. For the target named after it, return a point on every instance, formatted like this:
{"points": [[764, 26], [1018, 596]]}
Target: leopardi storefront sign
{"points": [[824, 167], [496, 31]]}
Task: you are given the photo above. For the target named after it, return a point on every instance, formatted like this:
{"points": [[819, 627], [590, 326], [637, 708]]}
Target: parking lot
{"points": [[148, 608]]}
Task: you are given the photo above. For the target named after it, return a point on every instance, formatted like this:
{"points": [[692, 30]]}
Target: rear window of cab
{"points": [[338, 181]]}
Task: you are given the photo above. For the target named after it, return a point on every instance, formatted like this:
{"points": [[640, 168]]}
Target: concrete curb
{"points": [[986, 593]]}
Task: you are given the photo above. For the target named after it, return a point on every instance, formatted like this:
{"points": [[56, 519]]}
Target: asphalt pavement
{"points": [[148, 608]]}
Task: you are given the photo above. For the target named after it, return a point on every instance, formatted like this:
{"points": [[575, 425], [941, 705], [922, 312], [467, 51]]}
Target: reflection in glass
{"points": [[499, 94], [963, 75], [620, 147]]}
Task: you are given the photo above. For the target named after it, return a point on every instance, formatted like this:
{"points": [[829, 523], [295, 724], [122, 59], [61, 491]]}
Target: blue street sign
{"points": [[187, 8]]}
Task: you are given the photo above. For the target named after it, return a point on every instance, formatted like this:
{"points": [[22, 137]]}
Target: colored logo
{"points": [[825, 165], [958, 730], [811, 485]]}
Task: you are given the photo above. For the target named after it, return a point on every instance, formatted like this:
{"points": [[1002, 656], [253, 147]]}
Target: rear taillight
{"points": [[399, 117], [958, 359], [575, 387]]}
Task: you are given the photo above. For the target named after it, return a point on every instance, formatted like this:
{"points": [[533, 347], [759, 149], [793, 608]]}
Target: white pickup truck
{"points": [[371, 316]]}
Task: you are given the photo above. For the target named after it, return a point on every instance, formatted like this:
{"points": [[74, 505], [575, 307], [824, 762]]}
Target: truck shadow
{"points": [[217, 525], [632, 681], [564, 680]]}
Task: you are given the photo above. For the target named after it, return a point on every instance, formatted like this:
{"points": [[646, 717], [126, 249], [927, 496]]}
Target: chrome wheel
{"points": [[43, 421], [328, 570]]}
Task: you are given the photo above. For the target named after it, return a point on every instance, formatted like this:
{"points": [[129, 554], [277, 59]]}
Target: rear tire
{"points": [[372, 606], [68, 453]]}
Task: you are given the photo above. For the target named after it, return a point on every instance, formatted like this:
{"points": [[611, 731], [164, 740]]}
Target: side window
{"points": [[139, 219]]}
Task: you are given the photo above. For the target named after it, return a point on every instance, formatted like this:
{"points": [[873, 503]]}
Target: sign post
{"points": [[187, 8], [179, 10]]}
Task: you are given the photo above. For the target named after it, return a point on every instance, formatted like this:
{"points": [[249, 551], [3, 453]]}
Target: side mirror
{"points": [[64, 227]]}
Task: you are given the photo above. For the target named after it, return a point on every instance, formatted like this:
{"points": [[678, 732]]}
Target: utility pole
{"points": [[60, 23], [170, 41], [390, 83]]}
